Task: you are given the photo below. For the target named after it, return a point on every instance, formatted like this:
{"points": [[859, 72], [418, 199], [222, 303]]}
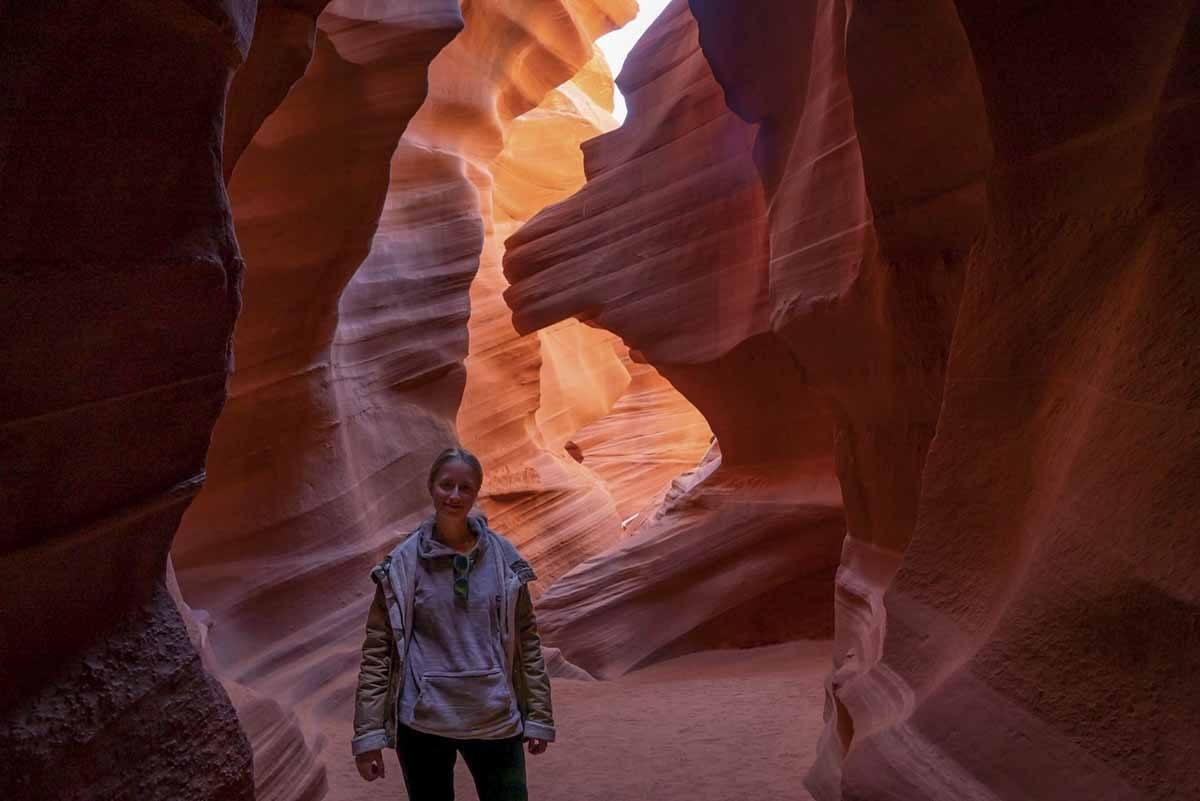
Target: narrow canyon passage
{"points": [[844, 399]]}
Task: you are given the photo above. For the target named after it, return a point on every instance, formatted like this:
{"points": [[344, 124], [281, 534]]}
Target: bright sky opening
{"points": [[616, 45]]}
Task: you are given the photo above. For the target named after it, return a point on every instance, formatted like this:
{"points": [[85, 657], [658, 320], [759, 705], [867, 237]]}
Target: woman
{"points": [[452, 662]]}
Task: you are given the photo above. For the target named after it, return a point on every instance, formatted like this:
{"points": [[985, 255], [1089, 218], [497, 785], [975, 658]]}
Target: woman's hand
{"points": [[370, 765], [536, 745]]}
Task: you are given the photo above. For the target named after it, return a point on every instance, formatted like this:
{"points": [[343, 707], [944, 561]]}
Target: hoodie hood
{"points": [[429, 547]]}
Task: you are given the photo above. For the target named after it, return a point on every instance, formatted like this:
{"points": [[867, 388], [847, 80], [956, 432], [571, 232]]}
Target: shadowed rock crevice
{"points": [[119, 287]]}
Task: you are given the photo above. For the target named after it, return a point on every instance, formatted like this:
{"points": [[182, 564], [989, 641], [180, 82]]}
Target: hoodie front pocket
{"points": [[460, 702]]}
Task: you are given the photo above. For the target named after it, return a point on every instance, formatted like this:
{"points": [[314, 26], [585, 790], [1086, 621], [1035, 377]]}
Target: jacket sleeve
{"points": [[535, 685], [370, 700]]}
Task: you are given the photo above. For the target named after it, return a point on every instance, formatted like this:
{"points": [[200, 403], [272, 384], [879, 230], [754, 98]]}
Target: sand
{"points": [[711, 726]]}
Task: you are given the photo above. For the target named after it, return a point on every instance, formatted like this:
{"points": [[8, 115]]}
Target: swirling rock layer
{"points": [[119, 286], [975, 276], [666, 246], [340, 393], [526, 394], [350, 350], [1040, 629]]}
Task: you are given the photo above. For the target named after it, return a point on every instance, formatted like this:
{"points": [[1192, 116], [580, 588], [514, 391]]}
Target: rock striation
{"points": [[872, 321], [526, 394], [119, 286], [351, 347], [326, 368], [667, 247], [1039, 631], [969, 281], [867, 255], [980, 615]]}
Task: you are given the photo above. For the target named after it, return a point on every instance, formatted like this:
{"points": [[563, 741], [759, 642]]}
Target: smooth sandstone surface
{"points": [[526, 394], [1042, 628], [530, 398], [997, 662], [872, 321], [330, 402], [119, 287], [666, 246], [867, 255], [999, 496], [350, 352]]}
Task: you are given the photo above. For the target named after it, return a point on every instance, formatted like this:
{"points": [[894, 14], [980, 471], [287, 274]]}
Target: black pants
{"points": [[497, 766]]}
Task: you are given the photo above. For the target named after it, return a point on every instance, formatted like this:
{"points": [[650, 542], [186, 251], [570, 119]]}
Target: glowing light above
{"points": [[616, 45]]}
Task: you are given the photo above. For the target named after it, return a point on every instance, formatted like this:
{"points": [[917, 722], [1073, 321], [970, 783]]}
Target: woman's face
{"points": [[454, 490]]}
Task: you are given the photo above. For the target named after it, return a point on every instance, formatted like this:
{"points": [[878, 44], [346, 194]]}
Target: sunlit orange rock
{"points": [[651, 436], [528, 395], [525, 395], [360, 208], [666, 246]]}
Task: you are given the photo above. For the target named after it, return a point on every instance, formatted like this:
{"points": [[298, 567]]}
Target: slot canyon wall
{"points": [[1038, 633], [374, 334], [873, 321], [984, 280], [667, 246], [119, 287]]}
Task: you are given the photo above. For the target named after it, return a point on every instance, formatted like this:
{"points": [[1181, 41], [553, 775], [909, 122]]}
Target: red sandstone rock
{"points": [[350, 350], [335, 409], [651, 436], [1041, 631], [526, 394], [679, 271], [794, 269], [994, 666], [119, 286], [619, 264], [866, 255]]}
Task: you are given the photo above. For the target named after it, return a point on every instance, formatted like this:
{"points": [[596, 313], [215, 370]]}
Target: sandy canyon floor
{"points": [[712, 726]]}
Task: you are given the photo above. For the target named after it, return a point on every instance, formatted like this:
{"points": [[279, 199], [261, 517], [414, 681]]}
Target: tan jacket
{"points": [[387, 639]]}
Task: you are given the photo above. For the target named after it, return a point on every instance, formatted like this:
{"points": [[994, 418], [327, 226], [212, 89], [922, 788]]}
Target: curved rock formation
{"points": [[867, 254], [981, 671], [300, 490], [877, 204], [651, 437], [1040, 632], [350, 350], [926, 272], [526, 394], [119, 286], [680, 272]]}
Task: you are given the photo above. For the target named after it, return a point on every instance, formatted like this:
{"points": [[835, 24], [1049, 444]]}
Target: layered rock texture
{"points": [[573, 444], [872, 320], [1039, 631], [667, 246], [119, 287], [371, 204], [957, 250]]}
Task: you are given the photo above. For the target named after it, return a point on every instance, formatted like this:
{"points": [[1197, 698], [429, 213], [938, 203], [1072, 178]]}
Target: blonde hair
{"points": [[449, 455]]}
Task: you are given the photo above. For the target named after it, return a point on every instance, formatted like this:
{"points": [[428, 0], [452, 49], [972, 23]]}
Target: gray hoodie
{"points": [[463, 695], [455, 683]]}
